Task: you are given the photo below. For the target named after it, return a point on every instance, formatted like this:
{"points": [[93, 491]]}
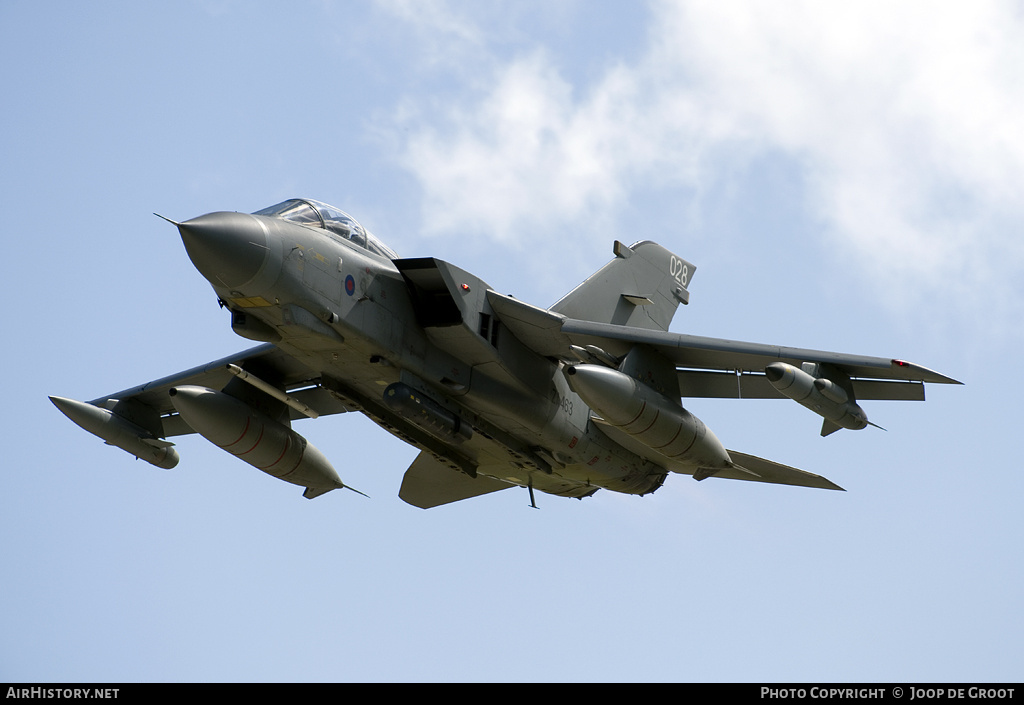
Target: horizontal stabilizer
{"points": [[760, 470], [430, 483]]}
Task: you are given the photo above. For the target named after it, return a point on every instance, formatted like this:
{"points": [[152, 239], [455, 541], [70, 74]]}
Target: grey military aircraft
{"points": [[494, 392]]}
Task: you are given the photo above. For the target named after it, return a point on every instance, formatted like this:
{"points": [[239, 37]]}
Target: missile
{"points": [[259, 440], [822, 396], [119, 431], [648, 416]]}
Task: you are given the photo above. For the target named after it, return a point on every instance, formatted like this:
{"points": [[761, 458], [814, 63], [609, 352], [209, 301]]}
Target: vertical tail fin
{"points": [[641, 287]]}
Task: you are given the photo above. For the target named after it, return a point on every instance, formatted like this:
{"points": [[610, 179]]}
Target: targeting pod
{"points": [[426, 413]]}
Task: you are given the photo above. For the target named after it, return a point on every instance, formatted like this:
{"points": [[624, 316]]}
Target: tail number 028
{"points": [[678, 270]]}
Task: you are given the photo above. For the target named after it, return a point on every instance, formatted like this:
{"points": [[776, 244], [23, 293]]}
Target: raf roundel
{"points": [[350, 285]]}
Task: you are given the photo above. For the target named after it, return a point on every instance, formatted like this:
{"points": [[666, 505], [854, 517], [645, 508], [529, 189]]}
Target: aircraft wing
{"points": [[149, 405], [710, 367]]}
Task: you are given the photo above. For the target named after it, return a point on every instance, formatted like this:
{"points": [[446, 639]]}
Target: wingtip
{"points": [[923, 373]]}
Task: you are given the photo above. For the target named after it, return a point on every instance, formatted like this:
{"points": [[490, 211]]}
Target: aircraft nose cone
{"points": [[229, 249]]}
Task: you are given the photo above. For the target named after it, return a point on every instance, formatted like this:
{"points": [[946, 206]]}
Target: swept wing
{"points": [[149, 405], [710, 367]]}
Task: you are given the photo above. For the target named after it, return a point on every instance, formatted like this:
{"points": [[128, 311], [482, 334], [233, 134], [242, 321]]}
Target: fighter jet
{"points": [[494, 392]]}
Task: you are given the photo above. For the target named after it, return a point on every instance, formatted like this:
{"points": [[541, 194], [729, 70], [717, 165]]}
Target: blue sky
{"points": [[844, 179]]}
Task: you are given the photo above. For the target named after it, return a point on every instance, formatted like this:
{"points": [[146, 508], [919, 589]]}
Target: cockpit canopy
{"points": [[315, 214]]}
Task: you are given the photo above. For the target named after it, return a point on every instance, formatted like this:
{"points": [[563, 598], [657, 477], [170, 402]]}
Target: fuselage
{"points": [[411, 343]]}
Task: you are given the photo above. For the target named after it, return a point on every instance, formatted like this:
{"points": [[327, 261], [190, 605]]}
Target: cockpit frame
{"points": [[321, 216]]}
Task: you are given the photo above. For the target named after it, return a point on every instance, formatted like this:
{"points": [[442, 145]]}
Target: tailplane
{"points": [[750, 467], [641, 287]]}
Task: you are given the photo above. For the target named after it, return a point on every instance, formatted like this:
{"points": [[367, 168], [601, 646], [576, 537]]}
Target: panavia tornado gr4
{"points": [[494, 392]]}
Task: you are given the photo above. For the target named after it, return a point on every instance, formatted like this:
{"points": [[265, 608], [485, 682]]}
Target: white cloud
{"points": [[905, 119], [445, 36], [905, 115]]}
